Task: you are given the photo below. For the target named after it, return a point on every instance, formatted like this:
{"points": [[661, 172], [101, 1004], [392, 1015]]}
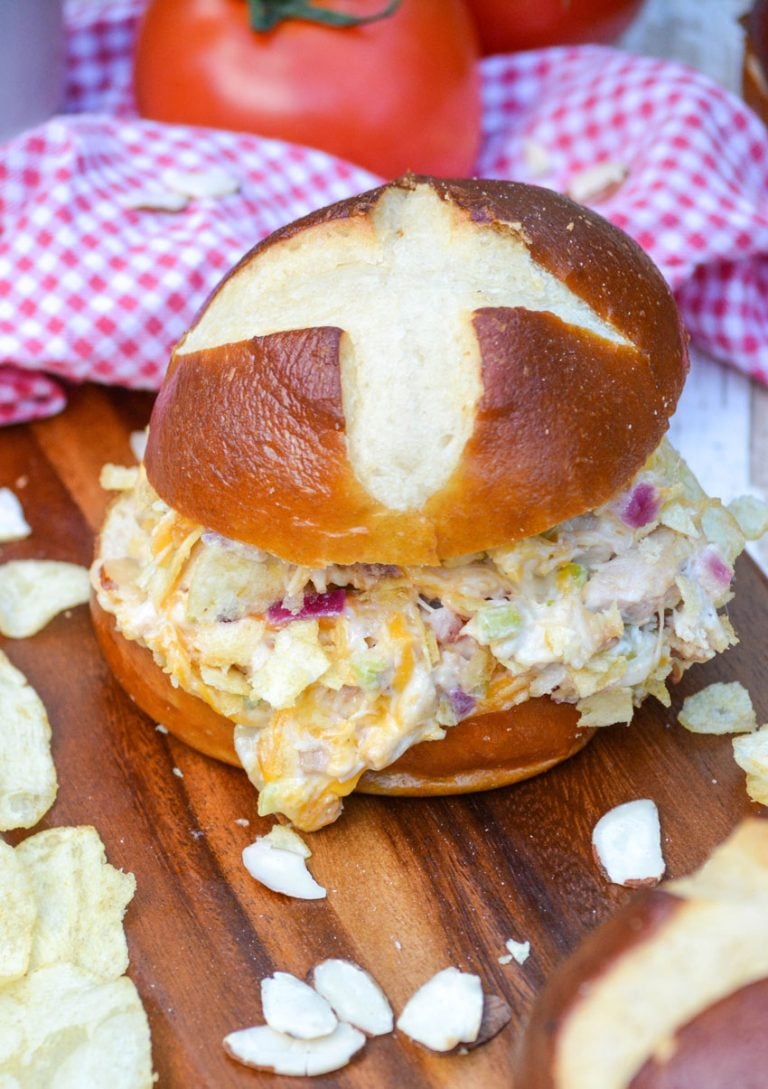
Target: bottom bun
{"points": [[481, 753]]}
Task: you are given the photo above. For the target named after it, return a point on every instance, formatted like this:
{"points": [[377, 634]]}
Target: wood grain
{"points": [[413, 884]]}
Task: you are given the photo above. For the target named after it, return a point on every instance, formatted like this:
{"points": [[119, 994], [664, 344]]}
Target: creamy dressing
{"points": [[599, 611]]}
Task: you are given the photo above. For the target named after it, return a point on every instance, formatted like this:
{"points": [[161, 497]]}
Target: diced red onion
{"points": [[714, 573], [640, 506], [462, 703], [313, 606]]}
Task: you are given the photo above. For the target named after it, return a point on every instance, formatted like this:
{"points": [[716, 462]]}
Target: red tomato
{"points": [[509, 25], [398, 94]]}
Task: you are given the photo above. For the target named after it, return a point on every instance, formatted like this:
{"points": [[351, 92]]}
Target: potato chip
{"points": [[752, 515], [27, 776], [757, 789], [751, 753], [721, 528], [32, 592], [606, 707], [118, 478], [18, 912], [719, 709], [677, 516], [61, 1028], [13, 524], [81, 901]]}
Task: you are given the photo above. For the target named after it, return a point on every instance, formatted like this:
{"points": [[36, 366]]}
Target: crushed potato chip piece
{"points": [[298, 660], [32, 592], [28, 783], [757, 789], [723, 531], [285, 839], [678, 517], [118, 478], [18, 912], [81, 901], [63, 1029], [13, 524], [751, 753], [606, 707], [719, 709], [751, 514]]}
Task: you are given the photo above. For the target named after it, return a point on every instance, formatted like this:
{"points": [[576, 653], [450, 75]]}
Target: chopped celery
{"points": [[498, 621]]}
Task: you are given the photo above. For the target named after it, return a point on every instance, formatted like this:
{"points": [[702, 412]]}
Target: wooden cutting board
{"points": [[413, 885]]}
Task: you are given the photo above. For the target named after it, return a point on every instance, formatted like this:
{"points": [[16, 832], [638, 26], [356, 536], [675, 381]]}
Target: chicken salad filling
{"points": [[328, 672]]}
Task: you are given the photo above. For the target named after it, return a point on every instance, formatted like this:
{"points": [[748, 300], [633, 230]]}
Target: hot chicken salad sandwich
{"points": [[407, 520]]}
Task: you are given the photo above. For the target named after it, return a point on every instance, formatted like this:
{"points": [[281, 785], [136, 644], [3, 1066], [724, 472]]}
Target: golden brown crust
{"points": [[565, 420], [269, 465], [725, 1046], [484, 752], [637, 921], [489, 751], [507, 469]]}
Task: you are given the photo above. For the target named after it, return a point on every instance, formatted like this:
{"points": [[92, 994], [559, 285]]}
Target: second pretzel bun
{"points": [[671, 992], [482, 752], [534, 355]]}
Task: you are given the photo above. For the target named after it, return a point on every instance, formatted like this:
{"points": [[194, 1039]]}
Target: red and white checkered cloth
{"points": [[92, 290]]}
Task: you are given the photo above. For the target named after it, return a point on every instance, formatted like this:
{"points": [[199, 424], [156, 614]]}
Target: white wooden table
{"points": [[721, 424]]}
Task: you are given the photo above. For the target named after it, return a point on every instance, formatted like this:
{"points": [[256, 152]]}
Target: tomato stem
{"points": [[266, 14]]}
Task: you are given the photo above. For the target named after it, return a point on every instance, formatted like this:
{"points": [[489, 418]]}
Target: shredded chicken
{"points": [[329, 672]]}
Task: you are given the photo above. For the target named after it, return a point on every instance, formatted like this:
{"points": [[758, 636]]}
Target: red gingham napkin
{"points": [[92, 290]]}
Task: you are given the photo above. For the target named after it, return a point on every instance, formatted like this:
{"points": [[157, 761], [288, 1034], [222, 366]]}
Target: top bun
{"points": [[426, 370]]}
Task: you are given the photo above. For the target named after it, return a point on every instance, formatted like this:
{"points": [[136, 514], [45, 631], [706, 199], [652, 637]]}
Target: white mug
{"points": [[31, 63]]}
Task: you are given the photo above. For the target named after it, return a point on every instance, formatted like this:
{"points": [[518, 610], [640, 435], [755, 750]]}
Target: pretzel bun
{"points": [[671, 992], [482, 752], [755, 63], [426, 370]]}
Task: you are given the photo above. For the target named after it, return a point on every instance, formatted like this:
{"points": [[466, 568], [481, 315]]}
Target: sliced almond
{"points": [[537, 158], [214, 182], [264, 1049], [597, 182], [519, 951], [13, 524], [281, 870], [445, 1011], [354, 996], [293, 1007], [627, 844], [137, 440], [154, 200]]}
